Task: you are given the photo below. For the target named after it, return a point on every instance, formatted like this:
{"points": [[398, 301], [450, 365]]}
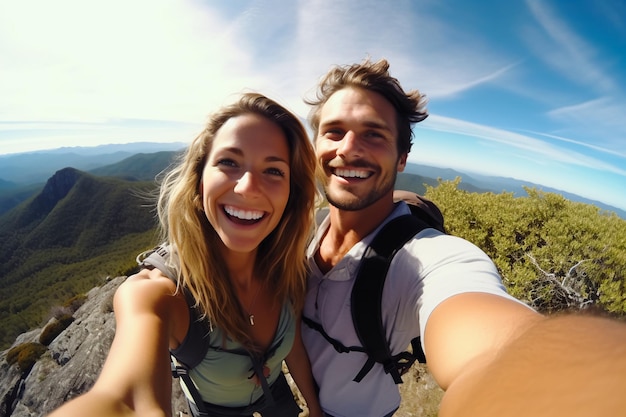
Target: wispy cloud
{"points": [[533, 146], [587, 145], [591, 105], [426, 51], [602, 119], [566, 51]]}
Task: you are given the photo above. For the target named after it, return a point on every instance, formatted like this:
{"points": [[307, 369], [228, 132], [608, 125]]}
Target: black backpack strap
{"points": [[368, 289], [418, 352], [422, 208], [180, 370], [339, 347]]}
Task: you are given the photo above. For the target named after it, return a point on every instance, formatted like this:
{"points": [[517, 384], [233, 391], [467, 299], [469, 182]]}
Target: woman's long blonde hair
{"points": [[280, 261]]}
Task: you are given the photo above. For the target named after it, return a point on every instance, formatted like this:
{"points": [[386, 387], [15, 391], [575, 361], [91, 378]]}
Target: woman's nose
{"points": [[247, 185]]}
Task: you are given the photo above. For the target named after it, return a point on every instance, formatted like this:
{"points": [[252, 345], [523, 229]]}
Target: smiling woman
{"points": [[236, 213], [245, 181]]}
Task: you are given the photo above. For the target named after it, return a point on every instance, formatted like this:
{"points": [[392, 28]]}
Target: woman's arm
{"points": [[300, 368], [136, 378]]}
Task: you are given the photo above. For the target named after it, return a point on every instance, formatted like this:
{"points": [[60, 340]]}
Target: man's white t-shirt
{"points": [[427, 270]]}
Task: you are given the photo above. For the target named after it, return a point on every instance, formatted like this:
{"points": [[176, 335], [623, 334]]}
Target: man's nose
{"points": [[350, 145]]}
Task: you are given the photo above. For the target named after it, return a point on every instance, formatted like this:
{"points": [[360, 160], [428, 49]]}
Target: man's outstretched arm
{"points": [[505, 360]]}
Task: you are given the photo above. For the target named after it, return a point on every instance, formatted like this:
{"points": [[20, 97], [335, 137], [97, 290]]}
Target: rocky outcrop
{"points": [[71, 363], [73, 360]]}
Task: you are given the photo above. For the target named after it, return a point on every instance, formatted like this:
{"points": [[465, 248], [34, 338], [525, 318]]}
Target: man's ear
{"points": [[402, 162]]}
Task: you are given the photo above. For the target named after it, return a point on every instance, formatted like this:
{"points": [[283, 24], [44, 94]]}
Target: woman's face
{"points": [[245, 181]]}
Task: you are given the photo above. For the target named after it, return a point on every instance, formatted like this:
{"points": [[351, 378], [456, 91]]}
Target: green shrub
{"points": [[54, 328], [75, 302], [25, 355]]}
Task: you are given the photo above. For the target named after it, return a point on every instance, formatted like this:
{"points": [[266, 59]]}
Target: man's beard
{"points": [[356, 203]]}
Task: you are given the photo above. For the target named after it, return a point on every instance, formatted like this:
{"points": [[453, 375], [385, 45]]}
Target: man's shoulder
{"points": [[432, 250]]}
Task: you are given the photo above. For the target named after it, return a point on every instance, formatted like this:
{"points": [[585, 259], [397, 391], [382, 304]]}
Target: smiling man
{"points": [[440, 287]]}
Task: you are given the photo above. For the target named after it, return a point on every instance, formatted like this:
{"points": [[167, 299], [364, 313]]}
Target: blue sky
{"points": [[534, 90]]}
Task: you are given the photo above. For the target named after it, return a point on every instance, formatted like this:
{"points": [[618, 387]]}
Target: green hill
{"points": [[65, 240], [141, 167]]}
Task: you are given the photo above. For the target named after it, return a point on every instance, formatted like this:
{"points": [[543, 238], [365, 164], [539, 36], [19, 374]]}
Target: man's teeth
{"points": [[351, 173], [243, 214]]}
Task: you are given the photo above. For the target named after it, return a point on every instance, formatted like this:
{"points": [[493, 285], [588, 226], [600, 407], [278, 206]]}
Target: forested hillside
{"points": [[65, 240]]}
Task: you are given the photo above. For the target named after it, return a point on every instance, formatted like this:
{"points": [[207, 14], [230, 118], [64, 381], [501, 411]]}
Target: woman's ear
{"points": [[197, 200]]}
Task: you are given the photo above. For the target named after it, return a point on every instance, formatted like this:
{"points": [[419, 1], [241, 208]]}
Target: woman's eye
{"points": [[275, 171], [226, 162]]}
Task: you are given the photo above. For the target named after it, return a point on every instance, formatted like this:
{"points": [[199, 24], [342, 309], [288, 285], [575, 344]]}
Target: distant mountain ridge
{"points": [[143, 161], [483, 183], [36, 167]]}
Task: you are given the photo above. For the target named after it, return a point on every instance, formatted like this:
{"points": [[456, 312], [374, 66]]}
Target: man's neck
{"points": [[346, 229]]}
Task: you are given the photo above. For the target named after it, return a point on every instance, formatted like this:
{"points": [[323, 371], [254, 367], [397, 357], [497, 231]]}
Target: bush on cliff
{"points": [[54, 328], [25, 355]]}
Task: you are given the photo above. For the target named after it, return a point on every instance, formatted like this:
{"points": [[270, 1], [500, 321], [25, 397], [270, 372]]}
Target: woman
{"points": [[236, 212]]}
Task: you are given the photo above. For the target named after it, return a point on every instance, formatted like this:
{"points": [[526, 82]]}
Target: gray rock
{"points": [[72, 363]]}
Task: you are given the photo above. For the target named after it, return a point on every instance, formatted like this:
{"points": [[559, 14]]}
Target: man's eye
{"points": [[333, 133], [374, 134]]}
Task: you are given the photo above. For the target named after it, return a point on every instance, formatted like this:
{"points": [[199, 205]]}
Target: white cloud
{"points": [[72, 60], [117, 59]]}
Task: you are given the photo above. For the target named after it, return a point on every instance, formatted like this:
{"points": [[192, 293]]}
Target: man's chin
{"points": [[346, 201]]}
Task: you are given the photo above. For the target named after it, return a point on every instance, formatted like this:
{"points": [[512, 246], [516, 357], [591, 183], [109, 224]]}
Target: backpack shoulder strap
{"points": [[158, 258], [422, 208], [367, 292], [196, 342]]}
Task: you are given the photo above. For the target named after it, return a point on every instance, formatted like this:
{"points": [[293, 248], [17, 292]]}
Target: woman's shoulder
{"points": [[149, 289]]}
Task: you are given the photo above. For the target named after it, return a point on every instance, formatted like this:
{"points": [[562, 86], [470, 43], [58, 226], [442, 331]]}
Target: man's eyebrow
{"points": [[374, 124], [332, 122], [377, 125]]}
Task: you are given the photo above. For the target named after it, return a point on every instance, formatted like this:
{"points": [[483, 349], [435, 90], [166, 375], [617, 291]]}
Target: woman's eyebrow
{"points": [[239, 152]]}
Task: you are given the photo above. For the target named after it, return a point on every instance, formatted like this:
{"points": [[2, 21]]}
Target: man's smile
{"points": [[352, 173]]}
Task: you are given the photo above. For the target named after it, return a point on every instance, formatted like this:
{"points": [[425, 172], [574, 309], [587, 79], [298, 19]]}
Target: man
{"points": [[492, 354]]}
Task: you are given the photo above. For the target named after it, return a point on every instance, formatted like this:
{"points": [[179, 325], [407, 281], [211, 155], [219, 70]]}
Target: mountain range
{"points": [[22, 175]]}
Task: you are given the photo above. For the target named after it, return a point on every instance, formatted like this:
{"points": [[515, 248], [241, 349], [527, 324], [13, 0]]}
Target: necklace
{"points": [[250, 315]]}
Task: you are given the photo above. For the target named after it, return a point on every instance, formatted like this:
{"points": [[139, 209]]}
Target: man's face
{"points": [[356, 147]]}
